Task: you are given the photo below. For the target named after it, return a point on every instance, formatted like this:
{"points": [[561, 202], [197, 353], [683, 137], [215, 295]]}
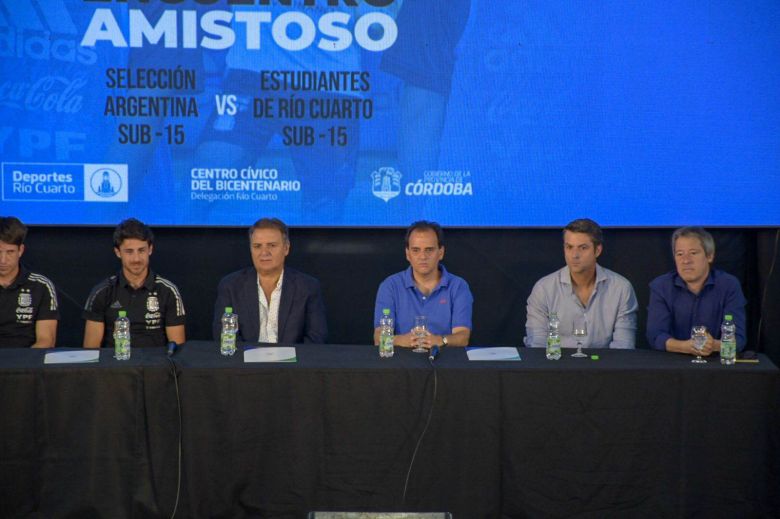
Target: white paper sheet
{"points": [[271, 354], [71, 357], [499, 353]]}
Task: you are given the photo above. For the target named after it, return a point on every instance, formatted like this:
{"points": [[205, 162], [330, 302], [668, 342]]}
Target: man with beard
{"points": [[583, 290], [153, 304]]}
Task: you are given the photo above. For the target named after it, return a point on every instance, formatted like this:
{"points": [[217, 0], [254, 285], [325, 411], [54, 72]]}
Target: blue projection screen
{"points": [[381, 112]]}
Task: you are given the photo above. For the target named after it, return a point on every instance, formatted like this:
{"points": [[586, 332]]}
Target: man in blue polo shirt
{"points": [[426, 289], [692, 295]]}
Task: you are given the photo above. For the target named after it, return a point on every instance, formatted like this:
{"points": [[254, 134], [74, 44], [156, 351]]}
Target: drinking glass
{"points": [[699, 336], [580, 332], [420, 331]]}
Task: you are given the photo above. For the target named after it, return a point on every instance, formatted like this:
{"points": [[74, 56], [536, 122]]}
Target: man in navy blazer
{"points": [[274, 303]]}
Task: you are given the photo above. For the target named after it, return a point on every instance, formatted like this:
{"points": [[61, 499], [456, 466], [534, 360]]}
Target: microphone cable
{"points": [[422, 434], [179, 440], [178, 399]]}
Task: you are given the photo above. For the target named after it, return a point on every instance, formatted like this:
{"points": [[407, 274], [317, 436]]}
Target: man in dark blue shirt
{"points": [[695, 294]]}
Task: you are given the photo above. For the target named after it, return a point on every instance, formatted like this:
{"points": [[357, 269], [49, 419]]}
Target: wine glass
{"points": [[420, 331], [580, 332], [699, 336]]}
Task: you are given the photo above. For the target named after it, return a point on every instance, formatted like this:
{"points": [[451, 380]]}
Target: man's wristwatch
{"points": [[444, 341]]}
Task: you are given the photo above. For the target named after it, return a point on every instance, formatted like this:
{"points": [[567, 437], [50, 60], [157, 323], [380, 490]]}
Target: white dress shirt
{"points": [[269, 312]]}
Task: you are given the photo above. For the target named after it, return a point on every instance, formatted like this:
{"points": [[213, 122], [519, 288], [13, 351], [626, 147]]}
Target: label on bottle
{"points": [[554, 348], [122, 348], [227, 343], [728, 351], [386, 348]]}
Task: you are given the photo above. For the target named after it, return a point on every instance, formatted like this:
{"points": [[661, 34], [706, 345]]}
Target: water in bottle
{"points": [[553, 337], [227, 339], [728, 341], [122, 336], [386, 337]]}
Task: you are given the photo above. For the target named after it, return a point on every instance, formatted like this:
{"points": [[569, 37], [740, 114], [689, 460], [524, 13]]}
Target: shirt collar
{"points": [[443, 282], [21, 277], [680, 282], [278, 283], [564, 275], [147, 284]]}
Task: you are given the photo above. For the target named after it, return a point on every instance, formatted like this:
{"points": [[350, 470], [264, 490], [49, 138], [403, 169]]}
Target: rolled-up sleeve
{"points": [[536, 318], [624, 333]]}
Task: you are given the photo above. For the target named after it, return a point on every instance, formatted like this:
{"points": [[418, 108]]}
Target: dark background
{"points": [[501, 266]]}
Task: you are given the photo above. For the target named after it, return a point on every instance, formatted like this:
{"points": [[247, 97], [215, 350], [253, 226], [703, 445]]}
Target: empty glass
{"points": [[420, 331], [580, 332]]}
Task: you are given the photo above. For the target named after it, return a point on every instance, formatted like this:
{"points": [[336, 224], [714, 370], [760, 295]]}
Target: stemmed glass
{"points": [[580, 332], [420, 331], [699, 336]]}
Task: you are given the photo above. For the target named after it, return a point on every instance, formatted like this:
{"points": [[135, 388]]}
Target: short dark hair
{"points": [[271, 223], [705, 238], [586, 226], [132, 229], [12, 230], [425, 225]]}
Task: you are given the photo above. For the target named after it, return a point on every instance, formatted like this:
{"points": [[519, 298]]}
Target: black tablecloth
{"points": [[635, 433]]}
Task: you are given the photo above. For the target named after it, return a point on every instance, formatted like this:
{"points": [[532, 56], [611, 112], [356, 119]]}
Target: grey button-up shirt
{"points": [[610, 314]]}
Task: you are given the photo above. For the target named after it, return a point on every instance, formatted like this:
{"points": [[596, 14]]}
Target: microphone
{"points": [[172, 346], [433, 353]]}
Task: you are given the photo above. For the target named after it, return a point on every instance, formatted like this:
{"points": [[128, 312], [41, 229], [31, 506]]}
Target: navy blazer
{"points": [[301, 308]]}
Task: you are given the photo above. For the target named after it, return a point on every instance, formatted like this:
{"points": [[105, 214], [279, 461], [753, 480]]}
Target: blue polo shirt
{"points": [[674, 310], [447, 307]]}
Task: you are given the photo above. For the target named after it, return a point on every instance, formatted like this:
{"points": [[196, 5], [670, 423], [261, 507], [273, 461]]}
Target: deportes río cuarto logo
{"points": [[105, 182]]}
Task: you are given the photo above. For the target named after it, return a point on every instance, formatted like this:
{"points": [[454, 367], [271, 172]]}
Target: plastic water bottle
{"points": [[122, 336], [227, 339], [728, 341], [386, 328], [553, 337]]}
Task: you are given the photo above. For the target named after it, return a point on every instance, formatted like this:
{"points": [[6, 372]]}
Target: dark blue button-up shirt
{"points": [[674, 310]]}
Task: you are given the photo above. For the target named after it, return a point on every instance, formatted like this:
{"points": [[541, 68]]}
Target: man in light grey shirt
{"points": [[585, 289]]}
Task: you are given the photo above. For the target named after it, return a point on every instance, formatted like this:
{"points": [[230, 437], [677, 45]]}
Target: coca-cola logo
{"points": [[48, 94]]}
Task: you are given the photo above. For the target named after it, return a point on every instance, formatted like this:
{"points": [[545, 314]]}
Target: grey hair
{"points": [[705, 238]]}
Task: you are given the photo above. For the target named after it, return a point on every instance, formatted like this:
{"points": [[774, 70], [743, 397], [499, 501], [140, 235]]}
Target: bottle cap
{"points": [[594, 357], [386, 311], [729, 317], [123, 313], [228, 309]]}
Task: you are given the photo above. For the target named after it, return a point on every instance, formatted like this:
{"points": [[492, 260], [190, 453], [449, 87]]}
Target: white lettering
{"points": [[141, 29], [217, 28], [420, 188], [103, 27]]}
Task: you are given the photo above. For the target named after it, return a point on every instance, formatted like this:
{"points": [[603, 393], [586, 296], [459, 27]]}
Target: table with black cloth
{"points": [[634, 434]]}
